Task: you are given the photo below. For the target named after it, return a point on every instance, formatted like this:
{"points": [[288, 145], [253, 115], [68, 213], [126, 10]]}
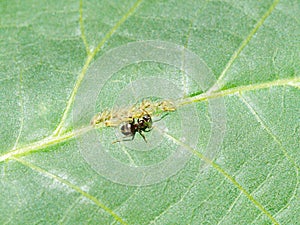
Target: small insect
{"points": [[140, 125]]}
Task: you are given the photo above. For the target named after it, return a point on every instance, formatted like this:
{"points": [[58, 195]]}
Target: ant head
{"points": [[147, 118]]}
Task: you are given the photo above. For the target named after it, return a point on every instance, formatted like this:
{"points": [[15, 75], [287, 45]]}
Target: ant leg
{"points": [[161, 118], [148, 130], [143, 136], [133, 136], [116, 141], [124, 139]]}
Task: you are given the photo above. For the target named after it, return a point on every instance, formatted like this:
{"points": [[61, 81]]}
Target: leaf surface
{"points": [[253, 50]]}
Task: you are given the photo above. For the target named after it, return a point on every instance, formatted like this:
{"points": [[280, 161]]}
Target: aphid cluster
{"points": [[137, 119], [113, 118]]}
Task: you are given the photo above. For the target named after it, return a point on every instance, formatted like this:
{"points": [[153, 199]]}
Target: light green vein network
{"points": [[91, 56], [227, 176], [59, 136], [72, 186], [243, 45]]}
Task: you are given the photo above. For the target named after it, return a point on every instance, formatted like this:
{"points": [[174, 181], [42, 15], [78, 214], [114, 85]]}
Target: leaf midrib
{"points": [[53, 140]]}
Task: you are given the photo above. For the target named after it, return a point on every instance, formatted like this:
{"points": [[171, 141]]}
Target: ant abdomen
{"points": [[127, 129]]}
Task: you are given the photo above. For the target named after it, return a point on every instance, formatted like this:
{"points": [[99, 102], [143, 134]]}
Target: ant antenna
{"points": [[161, 118]]}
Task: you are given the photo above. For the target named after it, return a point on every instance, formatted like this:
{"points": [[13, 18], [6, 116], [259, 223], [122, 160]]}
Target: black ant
{"points": [[140, 125]]}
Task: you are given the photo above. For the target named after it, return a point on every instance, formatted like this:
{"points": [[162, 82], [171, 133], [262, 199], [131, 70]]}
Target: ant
{"points": [[143, 124]]}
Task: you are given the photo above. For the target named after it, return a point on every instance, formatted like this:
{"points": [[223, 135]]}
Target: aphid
{"points": [[140, 125]]}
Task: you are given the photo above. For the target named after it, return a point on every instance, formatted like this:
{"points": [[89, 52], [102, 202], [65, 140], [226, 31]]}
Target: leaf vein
{"points": [[88, 61], [244, 43], [269, 131], [71, 207], [72, 186], [81, 25], [226, 175], [21, 92], [230, 207], [188, 35], [233, 91]]}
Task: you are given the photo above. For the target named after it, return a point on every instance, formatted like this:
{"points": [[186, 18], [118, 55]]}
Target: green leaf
{"points": [[253, 51]]}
